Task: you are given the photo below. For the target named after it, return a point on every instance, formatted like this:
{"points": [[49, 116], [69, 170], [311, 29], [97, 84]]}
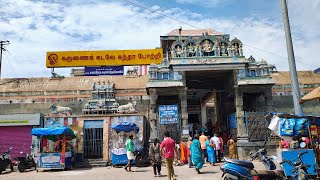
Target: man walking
{"points": [[169, 147], [130, 154], [215, 140], [203, 138]]}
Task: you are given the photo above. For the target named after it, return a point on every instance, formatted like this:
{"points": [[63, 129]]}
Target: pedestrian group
{"points": [[194, 152]]}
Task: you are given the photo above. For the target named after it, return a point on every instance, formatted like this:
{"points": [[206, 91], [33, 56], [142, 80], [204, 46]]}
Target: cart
{"points": [[119, 155], [59, 159]]}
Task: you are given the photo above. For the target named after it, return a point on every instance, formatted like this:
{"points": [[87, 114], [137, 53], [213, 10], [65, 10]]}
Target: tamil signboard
{"points": [[168, 114], [104, 71], [20, 120], [104, 58]]}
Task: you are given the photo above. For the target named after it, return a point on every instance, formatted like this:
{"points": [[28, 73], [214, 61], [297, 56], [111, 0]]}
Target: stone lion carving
{"points": [[127, 108], [56, 109], [132, 71]]}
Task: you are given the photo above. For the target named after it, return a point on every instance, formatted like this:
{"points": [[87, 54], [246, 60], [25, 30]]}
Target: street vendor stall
{"points": [[295, 132], [119, 155], [61, 157]]}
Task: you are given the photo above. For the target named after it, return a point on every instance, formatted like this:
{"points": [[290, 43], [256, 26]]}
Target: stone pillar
{"points": [[268, 99], [184, 114], [153, 119], [242, 134], [203, 115]]}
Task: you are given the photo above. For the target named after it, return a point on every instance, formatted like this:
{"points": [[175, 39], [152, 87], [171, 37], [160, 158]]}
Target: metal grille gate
{"points": [[93, 143]]}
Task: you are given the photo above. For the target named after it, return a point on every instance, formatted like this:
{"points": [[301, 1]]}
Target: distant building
{"points": [[308, 81]]}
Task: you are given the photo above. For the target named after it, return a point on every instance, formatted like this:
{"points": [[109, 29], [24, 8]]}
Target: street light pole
{"points": [[2, 44], [291, 59]]}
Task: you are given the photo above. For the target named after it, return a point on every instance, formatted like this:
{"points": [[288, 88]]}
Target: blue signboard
{"points": [[50, 160], [91, 124], [168, 114], [103, 71]]}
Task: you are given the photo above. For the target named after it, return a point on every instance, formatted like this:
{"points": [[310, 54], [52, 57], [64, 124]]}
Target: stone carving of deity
{"points": [[232, 50], [190, 50], [236, 49], [223, 49], [207, 46], [229, 50], [173, 54], [240, 51], [179, 51]]}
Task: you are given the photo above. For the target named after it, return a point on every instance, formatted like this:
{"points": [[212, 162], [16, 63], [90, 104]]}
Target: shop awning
{"points": [[51, 132], [313, 95]]}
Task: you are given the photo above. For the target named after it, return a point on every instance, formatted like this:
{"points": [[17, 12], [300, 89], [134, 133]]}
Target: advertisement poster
{"points": [[168, 114], [50, 160], [103, 71]]}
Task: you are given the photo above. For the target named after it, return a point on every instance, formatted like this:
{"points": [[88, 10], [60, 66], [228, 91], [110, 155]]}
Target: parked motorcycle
{"points": [[262, 155], [5, 161], [26, 162], [234, 169]]}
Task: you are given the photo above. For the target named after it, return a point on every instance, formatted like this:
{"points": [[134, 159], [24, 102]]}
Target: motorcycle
{"points": [[26, 162], [5, 161], [262, 155], [142, 159], [234, 169]]}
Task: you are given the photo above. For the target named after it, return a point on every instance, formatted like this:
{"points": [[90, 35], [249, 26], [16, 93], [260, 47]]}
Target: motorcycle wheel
{"points": [[21, 168], [139, 161], [11, 167]]}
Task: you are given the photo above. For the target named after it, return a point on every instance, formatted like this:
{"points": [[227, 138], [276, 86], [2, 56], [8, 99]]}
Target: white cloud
{"points": [[34, 28], [207, 3]]}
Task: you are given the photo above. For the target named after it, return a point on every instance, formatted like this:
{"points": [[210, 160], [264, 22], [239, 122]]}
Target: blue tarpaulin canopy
{"points": [[51, 132], [126, 127]]}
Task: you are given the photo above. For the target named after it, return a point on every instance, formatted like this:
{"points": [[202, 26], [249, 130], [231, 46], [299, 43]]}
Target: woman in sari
{"points": [[232, 147], [210, 151], [196, 155]]}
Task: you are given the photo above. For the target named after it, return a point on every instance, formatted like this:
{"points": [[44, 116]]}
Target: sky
{"points": [[36, 27]]}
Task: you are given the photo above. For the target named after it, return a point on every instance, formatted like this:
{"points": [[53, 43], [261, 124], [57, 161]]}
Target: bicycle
{"points": [[300, 171]]}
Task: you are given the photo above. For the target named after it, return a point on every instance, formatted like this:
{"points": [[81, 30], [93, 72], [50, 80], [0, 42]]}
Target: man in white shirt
{"points": [[215, 140]]}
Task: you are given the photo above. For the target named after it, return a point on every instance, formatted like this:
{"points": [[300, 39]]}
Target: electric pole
{"points": [[291, 59], [2, 44]]}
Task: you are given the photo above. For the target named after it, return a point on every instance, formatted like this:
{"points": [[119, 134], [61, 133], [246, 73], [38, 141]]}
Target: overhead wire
{"points": [[164, 15], [175, 19]]}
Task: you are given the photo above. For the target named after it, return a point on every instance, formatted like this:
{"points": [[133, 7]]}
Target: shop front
{"points": [[15, 132]]}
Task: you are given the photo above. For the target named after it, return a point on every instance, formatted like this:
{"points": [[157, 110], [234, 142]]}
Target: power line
{"points": [[155, 11]]}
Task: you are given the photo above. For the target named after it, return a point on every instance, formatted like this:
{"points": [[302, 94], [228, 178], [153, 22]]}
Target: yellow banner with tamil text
{"points": [[104, 58]]}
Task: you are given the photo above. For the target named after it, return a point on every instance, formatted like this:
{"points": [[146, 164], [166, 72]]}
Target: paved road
{"points": [[110, 173]]}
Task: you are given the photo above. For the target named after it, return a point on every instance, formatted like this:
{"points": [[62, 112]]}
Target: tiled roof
{"points": [[304, 77], [193, 32], [69, 83]]}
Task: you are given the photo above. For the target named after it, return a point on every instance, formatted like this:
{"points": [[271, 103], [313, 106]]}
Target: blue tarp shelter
{"points": [[126, 127], [52, 132]]}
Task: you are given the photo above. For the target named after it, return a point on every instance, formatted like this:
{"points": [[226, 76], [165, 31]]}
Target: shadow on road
{"points": [[141, 170], [208, 172]]}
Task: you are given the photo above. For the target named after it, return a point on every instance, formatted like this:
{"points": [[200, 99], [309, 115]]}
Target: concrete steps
{"points": [[89, 163]]}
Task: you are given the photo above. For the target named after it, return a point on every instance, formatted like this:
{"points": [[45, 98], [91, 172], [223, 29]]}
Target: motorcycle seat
{"points": [[265, 173], [244, 163]]}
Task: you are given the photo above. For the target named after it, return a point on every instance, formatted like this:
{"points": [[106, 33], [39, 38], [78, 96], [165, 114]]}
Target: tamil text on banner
{"points": [[168, 114], [103, 58], [104, 71]]}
